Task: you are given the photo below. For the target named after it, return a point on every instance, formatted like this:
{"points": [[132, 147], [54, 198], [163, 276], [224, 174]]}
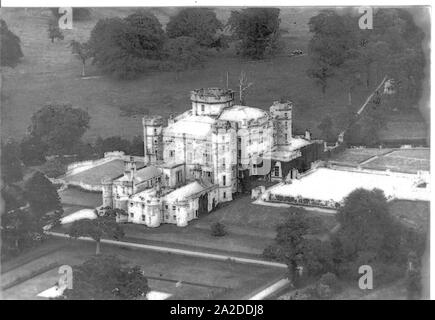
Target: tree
{"points": [[10, 46], [59, 126], [54, 31], [332, 38], [218, 229], [102, 226], [258, 31], [243, 86], [13, 197], [81, 14], [82, 51], [41, 195], [326, 126], [127, 47], [301, 253], [106, 277], [11, 167], [198, 23], [349, 74], [145, 34], [320, 73], [181, 53], [33, 150], [367, 227], [19, 230]]}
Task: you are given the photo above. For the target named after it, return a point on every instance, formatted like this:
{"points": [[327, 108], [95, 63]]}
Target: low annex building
{"points": [[200, 157]]}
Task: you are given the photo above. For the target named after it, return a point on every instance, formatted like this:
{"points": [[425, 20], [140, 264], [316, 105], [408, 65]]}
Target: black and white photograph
{"points": [[192, 151]]}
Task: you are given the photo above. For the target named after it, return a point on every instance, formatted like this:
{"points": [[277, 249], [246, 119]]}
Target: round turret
{"points": [[211, 101]]}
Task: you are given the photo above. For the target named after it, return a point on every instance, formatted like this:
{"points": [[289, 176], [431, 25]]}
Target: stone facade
{"points": [[199, 158]]}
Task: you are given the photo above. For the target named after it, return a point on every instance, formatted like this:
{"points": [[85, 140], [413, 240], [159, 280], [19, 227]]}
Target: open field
{"points": [[403, 160], [413, 213], [197, 278], [355, 156], [49, 73]]}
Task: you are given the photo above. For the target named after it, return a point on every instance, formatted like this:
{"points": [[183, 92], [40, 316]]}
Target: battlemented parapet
{"points": [[211, 101]]}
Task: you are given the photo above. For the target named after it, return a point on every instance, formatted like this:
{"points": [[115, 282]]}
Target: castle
{"points": [[200, 158]]}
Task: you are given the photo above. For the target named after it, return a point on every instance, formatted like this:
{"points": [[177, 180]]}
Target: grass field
{"points": [[198, 278], [402, 160], [49, 73], [356, 156], [414, 213]]}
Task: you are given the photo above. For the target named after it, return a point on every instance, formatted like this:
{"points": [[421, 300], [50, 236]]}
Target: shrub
{"points": [[327, 286], [218, 229], [272, 252]]}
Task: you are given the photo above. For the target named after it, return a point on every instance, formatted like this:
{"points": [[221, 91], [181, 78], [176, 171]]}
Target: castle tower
{"points": [[153, 139], [107, 186], [224, 150], [130, 168], [210, 101], [281, 114]]}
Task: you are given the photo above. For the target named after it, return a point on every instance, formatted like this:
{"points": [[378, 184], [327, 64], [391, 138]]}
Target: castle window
{"points": [[285, 114], [174, 208], [285, 136], [286, 124], [225, 195], [155, 131], [143, 217], [131, 215], [143, 206], [224, 180], [179, 176], [131, 204], [171, 153], [202, 108], [276, 171]]}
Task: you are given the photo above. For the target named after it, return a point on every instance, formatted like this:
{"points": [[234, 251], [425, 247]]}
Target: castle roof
{"points": [[240, 113], [143, 174], [191, 125], [188, 190]]}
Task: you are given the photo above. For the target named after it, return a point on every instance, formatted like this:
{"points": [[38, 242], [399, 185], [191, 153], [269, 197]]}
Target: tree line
{"points": [[367, 233], [360, 59], [128, 47]]}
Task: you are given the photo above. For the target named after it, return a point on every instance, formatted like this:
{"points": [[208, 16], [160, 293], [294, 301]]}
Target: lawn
{"points": [[199, 278], [414, 213], [404, 160], [357, 155], [49, 73], [244, 217]]}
